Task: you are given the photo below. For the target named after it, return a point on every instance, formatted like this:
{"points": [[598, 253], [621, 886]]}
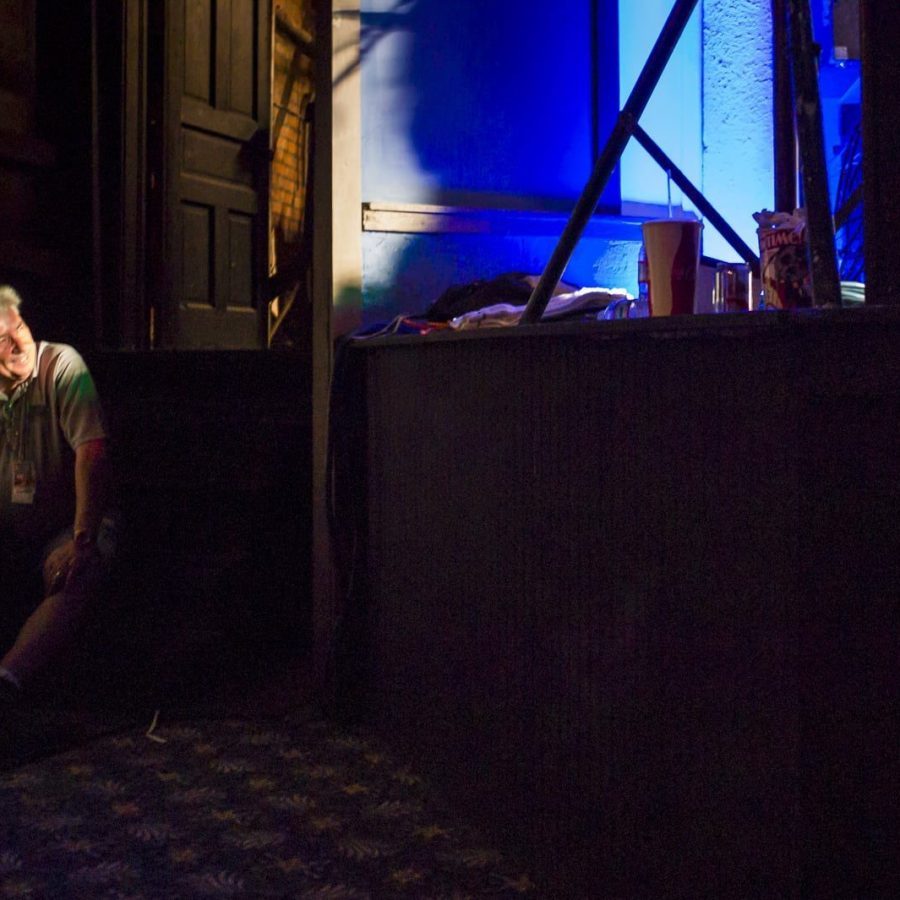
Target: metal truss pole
{"points": [[785, 141]]}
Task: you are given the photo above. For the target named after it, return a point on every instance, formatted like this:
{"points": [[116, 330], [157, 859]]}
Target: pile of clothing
{"points": [[499, 301]]}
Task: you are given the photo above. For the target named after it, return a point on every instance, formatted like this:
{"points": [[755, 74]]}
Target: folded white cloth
{"points": [[559, 305], [853, 293]]}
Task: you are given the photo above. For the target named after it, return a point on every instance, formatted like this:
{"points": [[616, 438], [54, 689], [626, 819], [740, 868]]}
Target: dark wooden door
{"points": [[215, 212]]}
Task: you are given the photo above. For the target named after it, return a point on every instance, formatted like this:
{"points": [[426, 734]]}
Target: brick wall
{"points": [[292, 95], [292, 91]]}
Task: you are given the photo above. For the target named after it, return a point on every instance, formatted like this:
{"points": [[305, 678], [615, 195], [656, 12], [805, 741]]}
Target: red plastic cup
{"points": [[673, 257]]}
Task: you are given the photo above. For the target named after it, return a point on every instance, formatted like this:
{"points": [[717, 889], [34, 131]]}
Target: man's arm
{"points": [[91, 484]]}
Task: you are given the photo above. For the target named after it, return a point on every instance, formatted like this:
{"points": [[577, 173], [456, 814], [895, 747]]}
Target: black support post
{"points": [[784, 140]]}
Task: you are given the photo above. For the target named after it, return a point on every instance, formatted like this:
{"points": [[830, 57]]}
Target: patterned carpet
{"points": [[297, 807]]}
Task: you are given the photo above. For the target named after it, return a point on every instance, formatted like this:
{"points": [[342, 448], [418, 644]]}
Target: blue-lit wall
{"points": [[486, 103], [503, 104]]}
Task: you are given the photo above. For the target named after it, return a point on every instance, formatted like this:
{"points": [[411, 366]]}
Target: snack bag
{"points": [[784, 261]]}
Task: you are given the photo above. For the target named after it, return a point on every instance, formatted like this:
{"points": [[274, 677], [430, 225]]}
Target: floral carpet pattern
{"points": [[293, 808]]}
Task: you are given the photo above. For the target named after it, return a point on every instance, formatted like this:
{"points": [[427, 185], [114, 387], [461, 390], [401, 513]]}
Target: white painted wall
{"points": [[738, 159]]}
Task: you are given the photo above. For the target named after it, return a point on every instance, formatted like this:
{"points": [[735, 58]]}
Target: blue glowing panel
{"points": [[673, 117], [497, 103]]}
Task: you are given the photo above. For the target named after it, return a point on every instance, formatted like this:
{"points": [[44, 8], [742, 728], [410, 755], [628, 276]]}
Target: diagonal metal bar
{"points": [[697, 198], [842, 216], [608, 158]]}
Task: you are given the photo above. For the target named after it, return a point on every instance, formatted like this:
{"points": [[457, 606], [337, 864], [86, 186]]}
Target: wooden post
{"points": [[880, 25]]}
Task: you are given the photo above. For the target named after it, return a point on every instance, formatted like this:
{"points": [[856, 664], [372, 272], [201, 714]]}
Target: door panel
{"points": [[217, 102], [240, 233], [212, 156], [198, 55], [196, 232], [242, 95]]}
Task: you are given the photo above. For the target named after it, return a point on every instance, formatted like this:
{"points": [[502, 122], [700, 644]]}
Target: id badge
{"points": [[23, 481]]}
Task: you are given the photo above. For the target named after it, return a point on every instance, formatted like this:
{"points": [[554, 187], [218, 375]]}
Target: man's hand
{"points": [[74, 555], [57, 567]]}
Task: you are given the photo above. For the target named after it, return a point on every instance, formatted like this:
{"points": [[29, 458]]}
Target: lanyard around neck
{"points": [[16, 406]]}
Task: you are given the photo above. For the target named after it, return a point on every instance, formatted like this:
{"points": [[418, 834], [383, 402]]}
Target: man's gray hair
{"points": [[9, 298]]}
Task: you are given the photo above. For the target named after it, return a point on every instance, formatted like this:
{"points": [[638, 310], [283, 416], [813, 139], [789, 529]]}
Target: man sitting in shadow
{"points": [[56, 541]]}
